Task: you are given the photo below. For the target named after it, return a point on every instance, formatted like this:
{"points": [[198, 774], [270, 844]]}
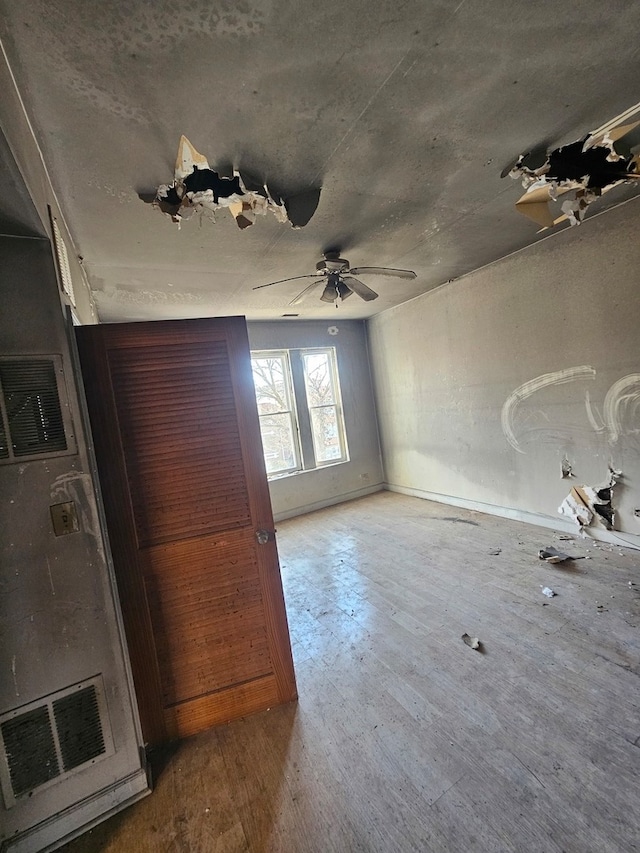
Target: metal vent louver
{"points": [[4, 444], [63, 262], [77, 719], [52, 738], [30, 750], [32, 417]]}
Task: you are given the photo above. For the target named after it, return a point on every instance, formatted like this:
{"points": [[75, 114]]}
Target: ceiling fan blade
{"points": [[360, 288], [307, 289], [295, 278], [383, 271]]}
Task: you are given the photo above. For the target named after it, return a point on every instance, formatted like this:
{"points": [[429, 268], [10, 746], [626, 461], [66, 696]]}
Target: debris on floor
{"points": [[552, 555], [472, 642], [495, 551], [197, 188], [546, 590], [585, 504], [456, 520], [585, 169]]}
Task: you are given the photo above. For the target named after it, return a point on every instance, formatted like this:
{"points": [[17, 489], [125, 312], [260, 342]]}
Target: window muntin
{"points": [[300, 409], [278, 423]]}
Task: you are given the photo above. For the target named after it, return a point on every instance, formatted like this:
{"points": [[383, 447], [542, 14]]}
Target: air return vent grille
{"points": [[52, 738], [77, 719], [30, 750], [63, 261], [33, 421]]}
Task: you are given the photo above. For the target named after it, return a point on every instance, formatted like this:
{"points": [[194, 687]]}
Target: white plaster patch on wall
{"points": [[126, 196], [15, 677], [558, 377], [146, 297], [622, 407], [53, 589], [596, 425]]}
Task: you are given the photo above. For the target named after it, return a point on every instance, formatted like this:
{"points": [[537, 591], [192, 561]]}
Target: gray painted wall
{"points": [[445, 364], [20, 149], [59, 619], [362, 474]]}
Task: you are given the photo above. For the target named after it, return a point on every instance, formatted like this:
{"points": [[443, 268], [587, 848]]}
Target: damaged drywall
{"points": [[586, 504], [199, 189], [574, 175]]}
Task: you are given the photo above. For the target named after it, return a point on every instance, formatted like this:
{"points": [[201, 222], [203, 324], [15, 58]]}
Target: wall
{"points": [[16, 128], [362, 474], [59, 619], [446, 363]]}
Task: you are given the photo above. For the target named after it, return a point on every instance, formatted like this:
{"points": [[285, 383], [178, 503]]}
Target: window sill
{"points": [[286, 474]]}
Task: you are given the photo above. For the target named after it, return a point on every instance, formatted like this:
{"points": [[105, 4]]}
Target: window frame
{"points": [[302, 417], [330, 352], [292, 411]]}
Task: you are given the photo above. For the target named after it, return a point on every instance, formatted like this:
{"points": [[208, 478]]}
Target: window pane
{"points": [[278, 443], [271, 385], [326, 434], [318, 380]]}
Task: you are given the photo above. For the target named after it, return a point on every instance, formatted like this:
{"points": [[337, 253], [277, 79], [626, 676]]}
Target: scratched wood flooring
{"points": [[404, 738]]}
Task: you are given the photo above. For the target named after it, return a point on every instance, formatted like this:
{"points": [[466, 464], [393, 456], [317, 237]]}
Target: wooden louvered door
{"points": [[179, 454]]}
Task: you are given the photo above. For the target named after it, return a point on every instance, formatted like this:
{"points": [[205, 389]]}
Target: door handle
{"points": [[263, 536]]}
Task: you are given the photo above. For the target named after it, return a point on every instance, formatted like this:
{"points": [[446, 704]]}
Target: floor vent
{"points": [[52, 738]]}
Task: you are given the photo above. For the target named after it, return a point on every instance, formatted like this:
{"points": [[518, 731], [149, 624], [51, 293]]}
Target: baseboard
{"points": [[50, 834], [628, 540], [337, 499]]}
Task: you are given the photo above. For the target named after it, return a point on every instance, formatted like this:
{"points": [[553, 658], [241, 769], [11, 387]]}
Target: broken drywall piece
{"points": [[586, 168], [566, 469], [585, 504], [552, 555], [199, 189], [472, 642], [550, 593]]}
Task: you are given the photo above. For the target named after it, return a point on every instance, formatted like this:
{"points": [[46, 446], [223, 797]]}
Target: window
{"points": [[300, 410], [272, 378]]}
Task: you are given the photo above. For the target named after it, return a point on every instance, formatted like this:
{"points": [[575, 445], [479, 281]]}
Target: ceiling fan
{"points": [[337, 276]]}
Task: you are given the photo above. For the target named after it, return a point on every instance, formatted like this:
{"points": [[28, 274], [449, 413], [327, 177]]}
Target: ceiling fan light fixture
{"points": [[330, 293], [343, 291], [338, 278]]}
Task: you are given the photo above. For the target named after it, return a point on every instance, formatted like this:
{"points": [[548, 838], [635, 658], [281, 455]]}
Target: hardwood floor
{"points": [[404, 738]]}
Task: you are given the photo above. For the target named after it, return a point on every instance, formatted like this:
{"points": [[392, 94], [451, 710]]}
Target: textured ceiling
{"points": [[404, 112]]}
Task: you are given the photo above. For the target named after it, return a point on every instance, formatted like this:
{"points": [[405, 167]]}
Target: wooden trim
{"points": [[260, 508], [93, 344]]}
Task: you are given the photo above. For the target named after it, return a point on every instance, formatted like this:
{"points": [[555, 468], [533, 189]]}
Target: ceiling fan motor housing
{"points": [[332, 264]]}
